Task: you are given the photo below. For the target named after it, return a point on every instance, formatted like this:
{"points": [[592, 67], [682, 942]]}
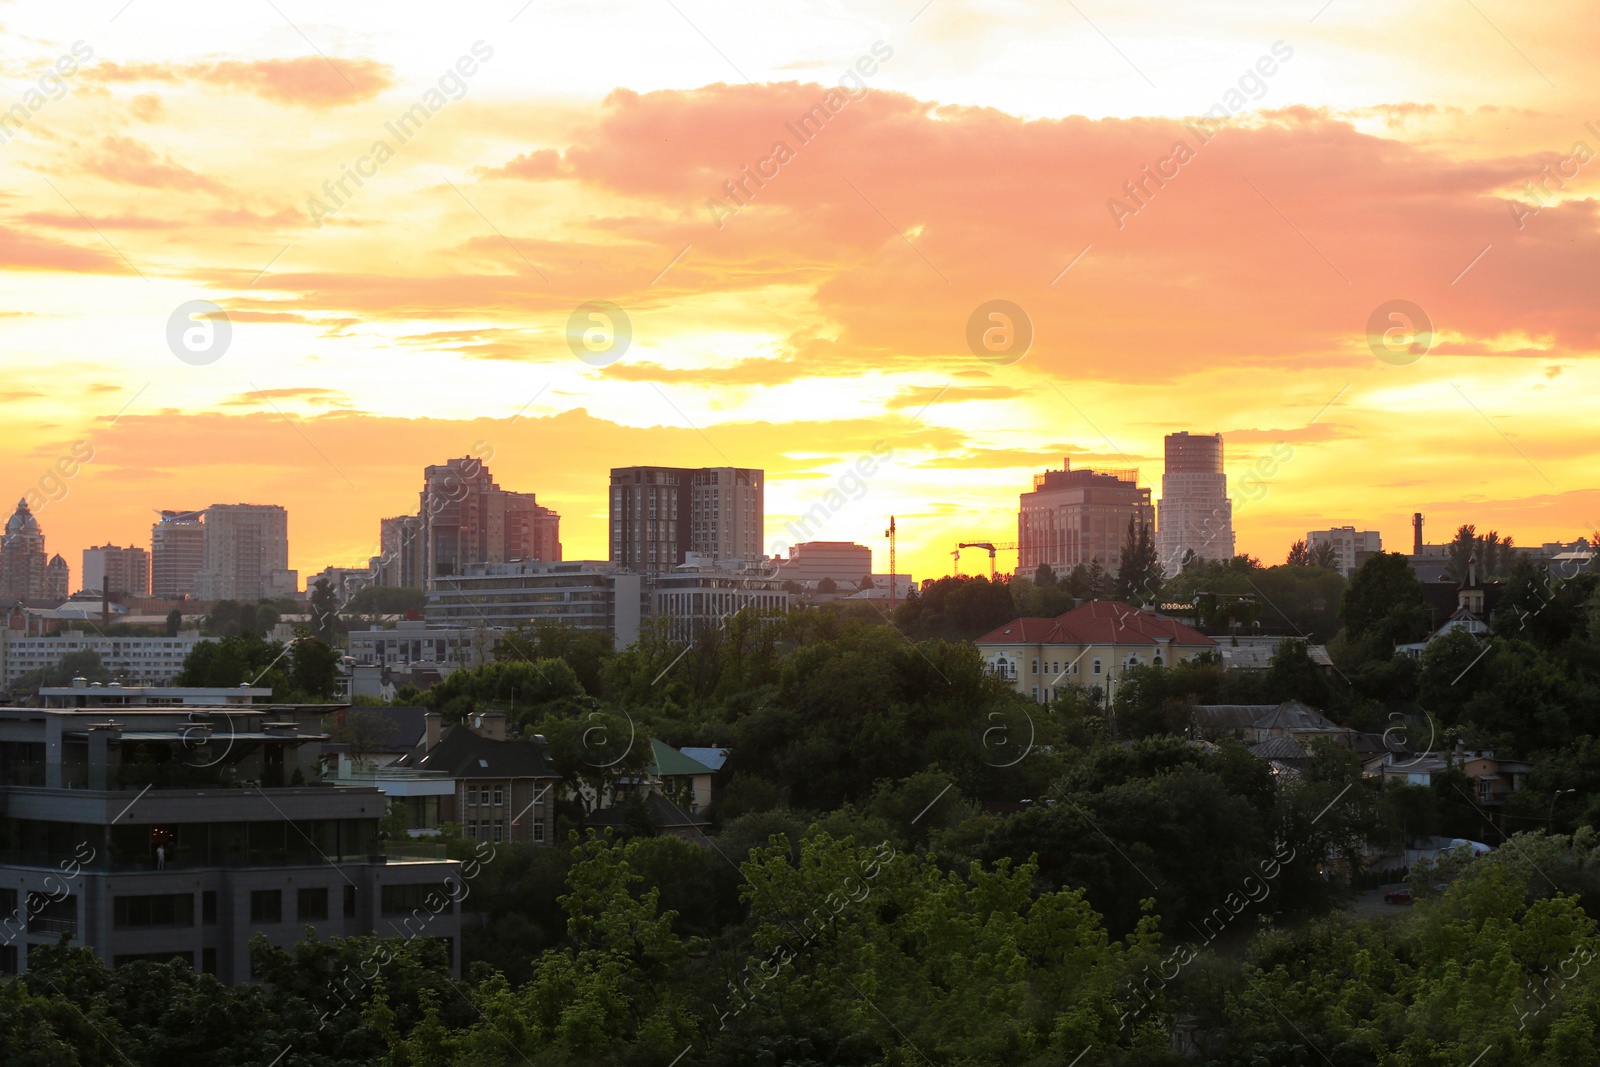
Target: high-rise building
{"points": [[400, 542], [116, 570], [1351, 546], [467, 518], [659, 515], [246, 554], [22, 557], [1079, 516], [1194, 513], [177, 553], [57, 578]]}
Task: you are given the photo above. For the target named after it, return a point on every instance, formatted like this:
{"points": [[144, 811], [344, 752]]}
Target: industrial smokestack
{"points": [[1416, 533]]}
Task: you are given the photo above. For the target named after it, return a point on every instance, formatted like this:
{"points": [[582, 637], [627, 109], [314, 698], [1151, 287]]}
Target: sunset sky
{"points": [[587, 156]]}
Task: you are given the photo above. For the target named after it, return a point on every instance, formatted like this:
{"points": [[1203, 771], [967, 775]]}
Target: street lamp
{"points": [[1557, 796]]}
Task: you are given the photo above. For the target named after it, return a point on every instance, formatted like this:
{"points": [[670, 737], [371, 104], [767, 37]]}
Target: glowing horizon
{"points": [[791, 309]]}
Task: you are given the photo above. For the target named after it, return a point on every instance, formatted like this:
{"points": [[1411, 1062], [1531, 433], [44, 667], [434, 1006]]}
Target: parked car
{"points": [[1399, 896]]}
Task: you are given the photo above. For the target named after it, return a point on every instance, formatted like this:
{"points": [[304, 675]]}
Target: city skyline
{"points": [[789, 311]]}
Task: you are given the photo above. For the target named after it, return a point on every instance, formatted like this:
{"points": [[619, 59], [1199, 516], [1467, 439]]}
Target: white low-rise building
{"points": [[140, 660]]}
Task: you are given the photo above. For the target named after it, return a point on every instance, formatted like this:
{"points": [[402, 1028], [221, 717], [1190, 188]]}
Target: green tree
{"points": [[1139, 572], [324, 611], [174, 622], [1383, 605]]}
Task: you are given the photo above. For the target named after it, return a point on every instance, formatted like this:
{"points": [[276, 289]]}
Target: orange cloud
{"points": [[307, 81], [131, 162]]}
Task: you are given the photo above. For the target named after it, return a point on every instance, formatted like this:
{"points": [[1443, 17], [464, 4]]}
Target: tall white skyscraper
{"points": [[1194, 512]]}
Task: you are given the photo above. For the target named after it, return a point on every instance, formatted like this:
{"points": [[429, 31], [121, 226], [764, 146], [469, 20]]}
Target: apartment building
{"points": [[108, 568], [1351, 546], [141, 660], [246, 554], [660, 515], [1079, 516], [152, 833], [177, 553], [1194, 513]]}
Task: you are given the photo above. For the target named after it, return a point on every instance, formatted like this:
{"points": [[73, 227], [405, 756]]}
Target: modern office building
{"points": [[812, 561], [1079, 516], [152, 833], [1351, 546], [246, 554], [22, 557], [107, 568], [695, 599], [177, 553], [1194, 513], [466, 518], [141, 660], [659, 515], [585, 594]]}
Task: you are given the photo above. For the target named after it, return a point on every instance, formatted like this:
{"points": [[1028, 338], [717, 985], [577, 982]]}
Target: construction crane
{"points": [[893, 581], [993, 548]]}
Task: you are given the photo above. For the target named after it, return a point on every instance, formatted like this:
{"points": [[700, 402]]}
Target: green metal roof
{"points": [[667, 762]]}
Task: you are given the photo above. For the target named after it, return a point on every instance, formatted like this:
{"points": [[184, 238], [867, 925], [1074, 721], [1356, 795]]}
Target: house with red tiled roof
{"points": [[1093, 644]]}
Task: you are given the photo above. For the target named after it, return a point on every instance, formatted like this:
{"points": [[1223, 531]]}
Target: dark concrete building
{"points": [[149, 832]]}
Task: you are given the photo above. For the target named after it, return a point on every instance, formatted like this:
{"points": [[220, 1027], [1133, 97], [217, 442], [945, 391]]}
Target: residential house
{"points": [[502, 789]]}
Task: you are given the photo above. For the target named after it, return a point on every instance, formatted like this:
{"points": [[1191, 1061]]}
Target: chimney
{"points": [[431, 722], [1416, 533], [489, 724]]}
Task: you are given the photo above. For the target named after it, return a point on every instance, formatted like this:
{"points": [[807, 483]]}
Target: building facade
{"points": [[246, 554], [22, 557], [1079, 516], [400, 542], [179, 833], [466, 518], [413, 642], [1351, 546], [1194, 513], [144, 660], [694, 601], [588, 595], [1094, 644], [812, 561], [116, 570], [659, 515], [57, 578], [177, 553]]}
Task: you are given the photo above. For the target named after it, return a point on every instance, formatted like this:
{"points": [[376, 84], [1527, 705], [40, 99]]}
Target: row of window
{"points": [[495, 830], [141, 910], [499, 796]]}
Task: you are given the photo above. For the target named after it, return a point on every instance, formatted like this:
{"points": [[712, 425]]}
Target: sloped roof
{"points": [[1279, 748], [402, 728], [668, 762], [461, 753], [1027, 632], [1099, 622], [1230, 716], [713, 758], [1294, 716]]}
